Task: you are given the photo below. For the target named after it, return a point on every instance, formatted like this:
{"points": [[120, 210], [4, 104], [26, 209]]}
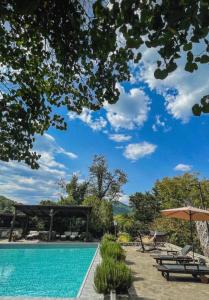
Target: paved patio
{"points": [[150, 285]]}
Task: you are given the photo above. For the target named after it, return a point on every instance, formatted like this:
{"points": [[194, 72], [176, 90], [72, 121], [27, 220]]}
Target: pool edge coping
{"points": [[87, 273]]}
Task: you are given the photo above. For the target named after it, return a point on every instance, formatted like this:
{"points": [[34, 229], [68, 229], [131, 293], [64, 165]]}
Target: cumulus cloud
{"points": [[19, 182], [139, 150], [180, 89], [119, 137], [130, 111], [183, 168], [87, 117]]}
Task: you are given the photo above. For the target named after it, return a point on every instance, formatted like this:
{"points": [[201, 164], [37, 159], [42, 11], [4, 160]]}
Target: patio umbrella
{"points": [[187, 213]]}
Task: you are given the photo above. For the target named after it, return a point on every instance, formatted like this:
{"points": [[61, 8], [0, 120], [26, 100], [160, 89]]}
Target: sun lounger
{"points": [[176, 256], [191, 269], [63, 237], [32, 235], [71, 235], [177, 259]]}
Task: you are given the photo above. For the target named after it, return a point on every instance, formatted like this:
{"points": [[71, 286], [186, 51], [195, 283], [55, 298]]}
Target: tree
{"points": [[72, 53], [103, 183], [101, 215], [181, 191], [178, 231], [126, 223], [106, 214], [47, 202], [75, 191], [145, 207], [6, 204]]}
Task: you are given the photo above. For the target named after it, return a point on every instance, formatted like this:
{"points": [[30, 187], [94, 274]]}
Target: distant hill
{"points": [[6, 204], [120, 208]]}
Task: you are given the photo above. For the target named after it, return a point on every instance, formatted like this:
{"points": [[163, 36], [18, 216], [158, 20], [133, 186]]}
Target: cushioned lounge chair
{"points": [[193, 269], [176, 256]]}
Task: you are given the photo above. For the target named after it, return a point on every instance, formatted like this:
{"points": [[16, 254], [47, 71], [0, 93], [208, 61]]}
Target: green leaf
{"points": [[190, 56], [138, 57], [160, 74], [133, 43], [204, 59], [190, 67], [187, 47], [171, 67], [196, 109]]}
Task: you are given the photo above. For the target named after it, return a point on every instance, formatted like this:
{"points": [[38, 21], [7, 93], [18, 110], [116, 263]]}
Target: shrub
{"points": [[112, 275], [108, 237], [124, 238], [112, 250]]}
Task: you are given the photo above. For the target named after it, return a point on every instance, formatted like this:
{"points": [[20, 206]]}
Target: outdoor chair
{"points": [[176, 256], [4, 234], [74, 235], [67, 234], [193, 269], [148, 243], [32, 235], [63, 237]]}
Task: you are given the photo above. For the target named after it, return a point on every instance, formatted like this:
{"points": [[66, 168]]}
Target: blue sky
{"points": [[150, 133]]}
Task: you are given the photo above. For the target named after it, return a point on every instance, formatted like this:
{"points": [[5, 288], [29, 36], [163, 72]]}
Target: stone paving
{"points": [[150, 285], [88, 292]]}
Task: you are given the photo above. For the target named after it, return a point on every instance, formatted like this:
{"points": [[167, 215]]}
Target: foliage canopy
{"points": [[72, 53]]}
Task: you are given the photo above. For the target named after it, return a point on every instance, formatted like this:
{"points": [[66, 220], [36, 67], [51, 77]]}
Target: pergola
{"points": [[50, 211]]}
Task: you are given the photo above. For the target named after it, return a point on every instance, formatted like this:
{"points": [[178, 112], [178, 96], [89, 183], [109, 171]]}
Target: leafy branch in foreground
{"points": [[72, 53]]}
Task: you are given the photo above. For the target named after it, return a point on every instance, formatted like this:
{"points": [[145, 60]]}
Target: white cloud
{"points": [[180, 89], [130, 111], [87, 117], [139, 150], [19, 182], [183, 168], [160, 124], [119, 137], [71, 155], [124, 199]]}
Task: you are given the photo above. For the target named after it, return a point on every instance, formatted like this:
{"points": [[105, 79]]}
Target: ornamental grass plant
{"points": [[112, 275]]}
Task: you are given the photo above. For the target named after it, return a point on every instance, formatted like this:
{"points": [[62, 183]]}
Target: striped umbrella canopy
{"points": [[187, 213]]}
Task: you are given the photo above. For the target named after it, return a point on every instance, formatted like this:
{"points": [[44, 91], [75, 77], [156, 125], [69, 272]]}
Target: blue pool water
{"points": [[43, 270]]}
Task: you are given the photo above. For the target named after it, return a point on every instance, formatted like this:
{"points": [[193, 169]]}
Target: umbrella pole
{"points": [[190, 220]]}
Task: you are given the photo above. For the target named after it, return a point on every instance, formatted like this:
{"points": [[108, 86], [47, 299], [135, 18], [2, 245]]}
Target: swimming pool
{"points": [[44, 270]]}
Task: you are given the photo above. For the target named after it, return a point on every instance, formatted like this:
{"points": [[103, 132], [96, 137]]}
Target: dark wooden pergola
{"points": [[50, 211]]}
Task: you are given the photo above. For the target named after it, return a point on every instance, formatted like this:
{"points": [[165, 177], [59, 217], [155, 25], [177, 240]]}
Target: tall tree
{"points": [[75, 191], [72, 53], [182, 190], [104, 183], [145, 207], [101, 215]]}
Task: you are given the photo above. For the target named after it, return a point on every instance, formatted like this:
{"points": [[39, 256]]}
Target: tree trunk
{"points": [[203, 235]]}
